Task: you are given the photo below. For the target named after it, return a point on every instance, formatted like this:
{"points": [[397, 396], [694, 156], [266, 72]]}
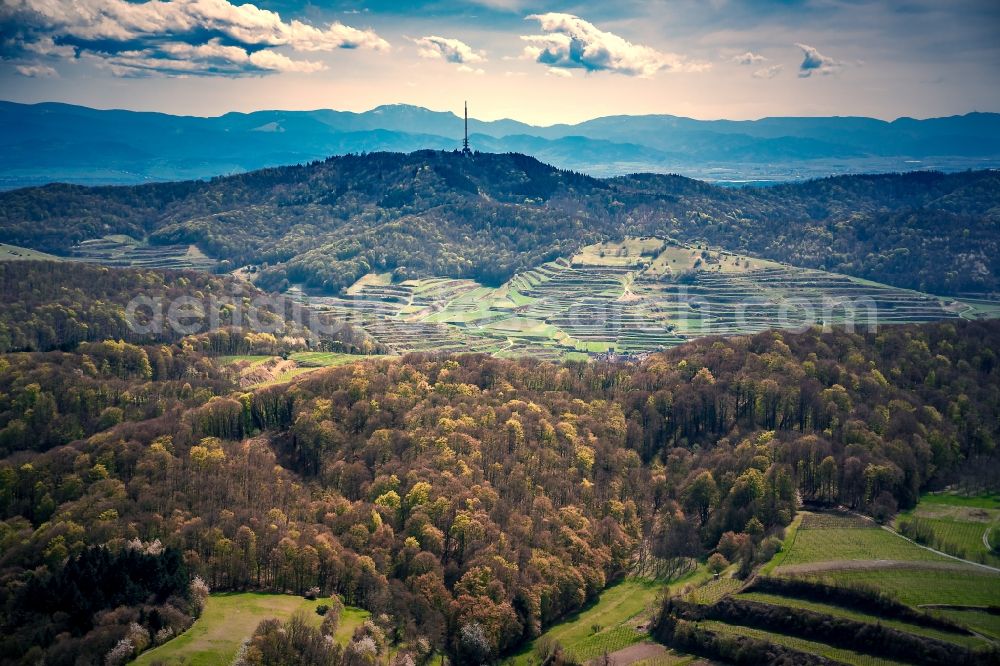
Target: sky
{"points": [[540, 62]]}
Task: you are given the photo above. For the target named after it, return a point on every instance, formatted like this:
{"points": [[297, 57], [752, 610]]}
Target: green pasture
{"points": [[230, 618], [614, 621]]}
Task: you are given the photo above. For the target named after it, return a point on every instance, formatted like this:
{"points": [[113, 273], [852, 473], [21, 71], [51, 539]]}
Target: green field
{"points": [[959, 525], [845, 550], [230, 618], [916, 587], [619, 614], [17, 253], [714, 590], [829, 538], [631, 296], [257, 370], [252, 359], [984, 623], [327, 359], [838, 654], [787, 543], [985, 501], [837, 611]]}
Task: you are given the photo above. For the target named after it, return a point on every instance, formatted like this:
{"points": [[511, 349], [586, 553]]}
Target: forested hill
{"points": [[455, 492], [489, 215]]}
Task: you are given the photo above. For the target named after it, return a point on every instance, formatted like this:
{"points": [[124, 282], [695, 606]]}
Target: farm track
{"points": [[848, 565]]}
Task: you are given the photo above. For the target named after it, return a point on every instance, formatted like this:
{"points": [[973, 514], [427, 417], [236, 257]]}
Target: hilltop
{"points": [[485, 217]]}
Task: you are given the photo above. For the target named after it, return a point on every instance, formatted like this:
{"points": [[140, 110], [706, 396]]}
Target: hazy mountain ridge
{"points": [[59, 142]]}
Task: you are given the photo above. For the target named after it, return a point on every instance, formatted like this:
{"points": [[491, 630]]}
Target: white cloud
{"points": [[502, 5], [815, 62], [748, 58], [36, 71], [471, 70], [215, 35], [573, 43], [272, 61], [562, 73], [768, 72], [452, 50]]}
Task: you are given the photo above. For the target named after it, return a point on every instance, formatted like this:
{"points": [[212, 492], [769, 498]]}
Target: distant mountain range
{"points": [[50, 142]]}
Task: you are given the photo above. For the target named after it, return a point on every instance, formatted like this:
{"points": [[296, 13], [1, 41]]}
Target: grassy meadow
{"points": [[616, 620], [966, 527], [231, 617]]}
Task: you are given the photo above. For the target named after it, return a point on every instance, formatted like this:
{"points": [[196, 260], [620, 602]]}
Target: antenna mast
{"points": [[465, 142]]}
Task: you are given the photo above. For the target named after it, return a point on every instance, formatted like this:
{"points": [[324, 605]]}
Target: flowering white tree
{"points": [[120, 653], [199, 593]]}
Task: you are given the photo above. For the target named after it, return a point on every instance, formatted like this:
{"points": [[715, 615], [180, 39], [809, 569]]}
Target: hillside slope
{"points": [[487, 216]]}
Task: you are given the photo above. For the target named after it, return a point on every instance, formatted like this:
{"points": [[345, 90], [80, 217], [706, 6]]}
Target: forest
{"points": [[57, 305], [468, 501], [487, 216]]}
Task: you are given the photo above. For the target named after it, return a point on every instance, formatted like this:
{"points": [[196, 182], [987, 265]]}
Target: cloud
{"points": [[502, 5], [562, 73], [172, 37], [451, 50], [768, 72], [573, 43], [471, 70], [36, 71], [814, 62], [748, 58], [214, 58]]}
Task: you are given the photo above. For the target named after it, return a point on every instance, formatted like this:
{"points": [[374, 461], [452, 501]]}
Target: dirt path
{"points": [[632, 654], [844, 565]]}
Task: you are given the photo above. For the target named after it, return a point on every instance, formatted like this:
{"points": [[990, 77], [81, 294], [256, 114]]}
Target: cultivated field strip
{"points": [[814, 647], [124, 251]]}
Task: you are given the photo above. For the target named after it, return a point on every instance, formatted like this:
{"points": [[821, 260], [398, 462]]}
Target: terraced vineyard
{"points": [[844, 550], [828, 570], [630, 297], [119, 250], [837, 654]]}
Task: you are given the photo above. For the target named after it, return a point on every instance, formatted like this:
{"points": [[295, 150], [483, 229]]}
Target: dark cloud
{"points": [[814, 62]]}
